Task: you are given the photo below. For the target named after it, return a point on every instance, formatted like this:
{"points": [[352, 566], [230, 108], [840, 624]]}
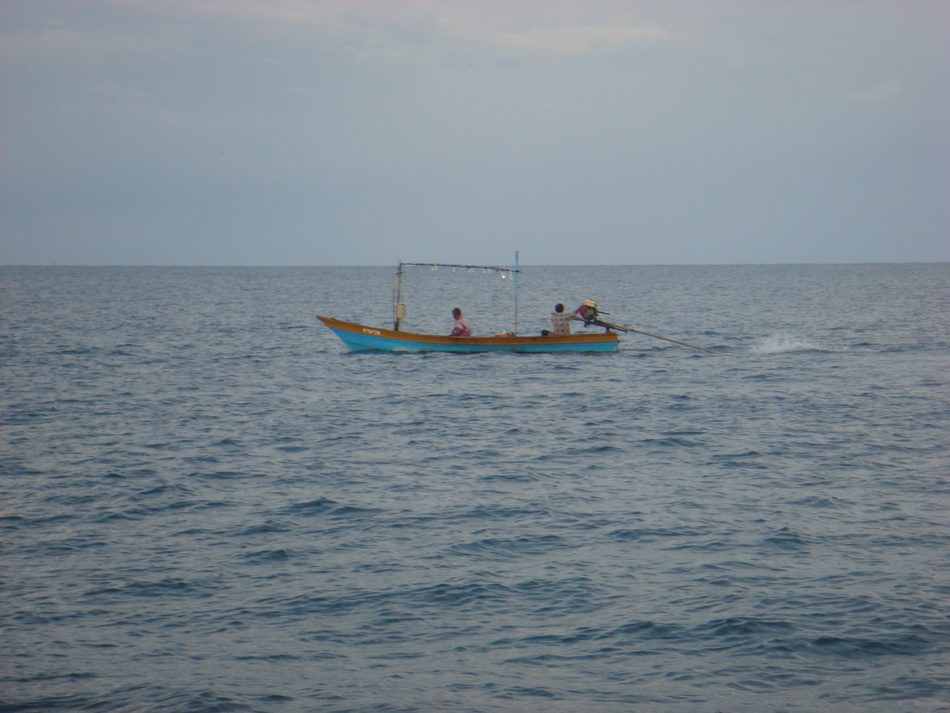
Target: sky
{"points": [[579, 132]]}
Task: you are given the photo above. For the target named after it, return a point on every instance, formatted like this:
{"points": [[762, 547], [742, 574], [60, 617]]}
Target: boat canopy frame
{"points": [[399, 307]]}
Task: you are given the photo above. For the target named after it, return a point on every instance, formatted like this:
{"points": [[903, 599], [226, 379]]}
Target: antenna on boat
{"points": [[517, 271]]}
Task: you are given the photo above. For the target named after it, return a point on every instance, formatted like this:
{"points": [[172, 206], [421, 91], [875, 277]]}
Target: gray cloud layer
{"points": [[359, 131]]}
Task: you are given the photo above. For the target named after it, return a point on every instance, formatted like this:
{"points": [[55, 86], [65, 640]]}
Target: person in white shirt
{"points": [[561, 320]]}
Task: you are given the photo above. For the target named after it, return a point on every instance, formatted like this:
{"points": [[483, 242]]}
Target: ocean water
{"points": [[208, 504]]}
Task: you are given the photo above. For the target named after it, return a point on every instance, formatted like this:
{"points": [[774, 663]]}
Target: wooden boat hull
{"points": [[359, 337]]}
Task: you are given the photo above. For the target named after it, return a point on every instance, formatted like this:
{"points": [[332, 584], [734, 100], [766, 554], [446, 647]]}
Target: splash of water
{"points": [[783, 344]]}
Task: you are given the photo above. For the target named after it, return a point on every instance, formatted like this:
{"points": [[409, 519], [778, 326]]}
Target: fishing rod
{"points": [[590, 316], [657, 336]]}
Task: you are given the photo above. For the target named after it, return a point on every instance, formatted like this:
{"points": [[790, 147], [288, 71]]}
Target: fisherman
{"points": [[461, 328], [588, 312], [561, 320]]}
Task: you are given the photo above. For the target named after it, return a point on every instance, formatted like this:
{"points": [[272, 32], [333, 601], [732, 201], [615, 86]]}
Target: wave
{"points": [[784, 344]]}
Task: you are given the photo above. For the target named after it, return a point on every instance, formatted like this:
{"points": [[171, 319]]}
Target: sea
{"points": [[210, 504]]}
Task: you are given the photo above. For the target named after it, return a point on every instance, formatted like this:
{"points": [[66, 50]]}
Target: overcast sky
{"points": [[359, 132]]}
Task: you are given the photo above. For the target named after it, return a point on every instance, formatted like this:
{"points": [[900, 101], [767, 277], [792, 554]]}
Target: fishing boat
{"points": [[360, 337]]}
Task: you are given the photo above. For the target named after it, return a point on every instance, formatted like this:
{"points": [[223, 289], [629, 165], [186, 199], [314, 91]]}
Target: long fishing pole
{"points": [[638, 331]]}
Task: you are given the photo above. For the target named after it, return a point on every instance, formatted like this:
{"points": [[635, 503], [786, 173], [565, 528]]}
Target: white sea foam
{"points": [[783, 344]]}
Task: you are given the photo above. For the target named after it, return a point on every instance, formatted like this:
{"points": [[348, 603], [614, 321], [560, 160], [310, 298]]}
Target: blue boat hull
{"points": [[359, 337]]}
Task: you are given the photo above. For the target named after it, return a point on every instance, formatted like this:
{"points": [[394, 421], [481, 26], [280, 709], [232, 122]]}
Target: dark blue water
{"points": [[209, 505]]}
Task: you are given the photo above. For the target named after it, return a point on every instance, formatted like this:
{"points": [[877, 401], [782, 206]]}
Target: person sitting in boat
{"points": [[461, 328], [561, 320], [588, 312]]}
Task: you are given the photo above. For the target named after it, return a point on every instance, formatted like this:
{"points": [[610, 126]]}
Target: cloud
{"points": [[411, 119], [365, 30], [419, 28], [878, 94], [577, 40], [68, 43]]}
